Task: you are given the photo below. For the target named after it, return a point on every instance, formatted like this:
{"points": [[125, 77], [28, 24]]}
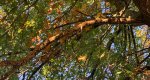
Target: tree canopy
{"points": [[75, 39]]}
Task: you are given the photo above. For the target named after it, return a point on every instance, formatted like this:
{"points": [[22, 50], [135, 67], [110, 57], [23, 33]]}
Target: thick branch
{"points": [[97, 21], [68, 33], [106, 21]]}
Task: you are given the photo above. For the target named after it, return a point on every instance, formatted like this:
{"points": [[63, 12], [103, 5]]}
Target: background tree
{"points": [[74, 39]]}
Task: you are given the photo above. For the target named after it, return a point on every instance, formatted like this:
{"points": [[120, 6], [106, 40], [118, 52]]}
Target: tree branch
{"points": [[144, 59], [68, 33]]}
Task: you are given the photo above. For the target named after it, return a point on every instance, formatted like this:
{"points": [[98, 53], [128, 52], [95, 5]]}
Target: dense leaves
{"points": [[74, 39]]}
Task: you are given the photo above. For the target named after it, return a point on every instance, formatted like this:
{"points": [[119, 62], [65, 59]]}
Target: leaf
{"points": [[119, 72], [102, 55], [33, 39], [20, 30], [49, 10], [82, 58], [30, 23], [90, 1], [138, 33], [38, 38]]}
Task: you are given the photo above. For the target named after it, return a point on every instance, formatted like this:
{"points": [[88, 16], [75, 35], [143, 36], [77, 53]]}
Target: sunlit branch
{"points": [[98, 21]]}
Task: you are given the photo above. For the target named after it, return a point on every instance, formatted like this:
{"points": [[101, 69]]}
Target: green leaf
{"points": [[119, 72]]}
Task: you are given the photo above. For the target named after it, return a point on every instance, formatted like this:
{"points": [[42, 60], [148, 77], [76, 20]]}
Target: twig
{"points": [[37, 69], [144, 59], [134, 43]]}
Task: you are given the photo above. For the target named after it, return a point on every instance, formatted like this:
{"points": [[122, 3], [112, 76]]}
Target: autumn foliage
{"points": [[74, 39]]}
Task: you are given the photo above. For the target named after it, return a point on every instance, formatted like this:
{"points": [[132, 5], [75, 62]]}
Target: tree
{"points": [[74, 39]]}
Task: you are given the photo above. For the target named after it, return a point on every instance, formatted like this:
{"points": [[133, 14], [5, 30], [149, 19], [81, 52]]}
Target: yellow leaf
{"points": [[2, 13], [30, 23], [40, 31], [19, 30], [102, 55], [129, 17], [90, 1], [82, 58], [138, 33], [143, 38]]}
